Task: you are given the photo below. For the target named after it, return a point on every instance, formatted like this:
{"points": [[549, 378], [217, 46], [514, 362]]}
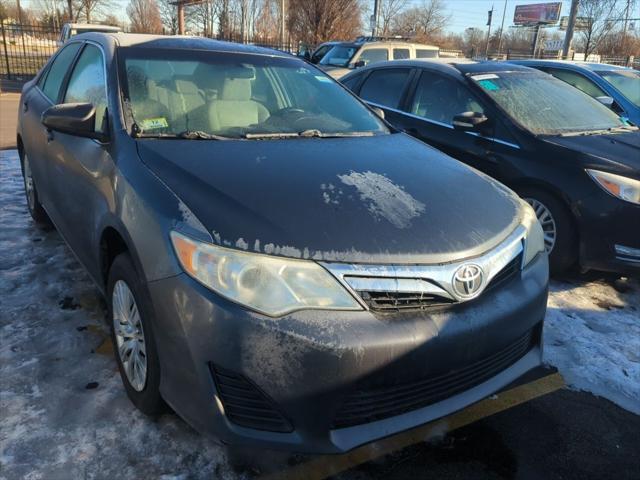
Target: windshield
{"points": [[626, 82], [339, 56], [200, 94], [545, 105]]}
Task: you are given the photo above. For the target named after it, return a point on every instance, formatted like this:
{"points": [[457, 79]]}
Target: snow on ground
{"points": [[64, 414], [63, 411]]}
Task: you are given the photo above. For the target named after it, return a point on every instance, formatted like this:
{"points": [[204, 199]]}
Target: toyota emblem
{"points": [[468, 280]]}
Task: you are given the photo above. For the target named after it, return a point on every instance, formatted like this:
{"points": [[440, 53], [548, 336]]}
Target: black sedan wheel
{"points": [[560, 238]]}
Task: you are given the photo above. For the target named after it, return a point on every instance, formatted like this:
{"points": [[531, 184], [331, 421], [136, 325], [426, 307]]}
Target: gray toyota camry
{"points": [[282, 267]]}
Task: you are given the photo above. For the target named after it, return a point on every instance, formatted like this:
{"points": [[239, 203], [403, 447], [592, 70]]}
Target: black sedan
{"points": [[280, 267], [576, 162]]}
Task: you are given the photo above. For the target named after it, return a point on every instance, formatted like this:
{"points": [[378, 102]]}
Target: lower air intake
{"points": [[245, 404]]}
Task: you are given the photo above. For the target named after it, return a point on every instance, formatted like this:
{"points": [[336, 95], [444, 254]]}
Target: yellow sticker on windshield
{"points": [[153, 123]]}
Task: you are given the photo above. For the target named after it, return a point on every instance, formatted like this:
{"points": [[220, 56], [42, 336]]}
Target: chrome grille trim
{"points": [[434, 280]]}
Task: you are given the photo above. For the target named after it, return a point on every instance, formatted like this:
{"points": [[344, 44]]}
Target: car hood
{"points": [[619, 151], [382, 199]]}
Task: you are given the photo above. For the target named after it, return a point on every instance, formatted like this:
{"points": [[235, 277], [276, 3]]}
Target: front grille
{"points": [[245, 404], [509, 271], [364, 406], [389, 301], [400, 301]]}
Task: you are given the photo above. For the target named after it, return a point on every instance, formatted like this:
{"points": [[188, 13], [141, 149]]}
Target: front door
{"points": [[79, 168]]}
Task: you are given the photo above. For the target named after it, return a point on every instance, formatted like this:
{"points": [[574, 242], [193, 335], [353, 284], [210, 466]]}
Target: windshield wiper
{"points": [[186, 135], [620, 129], [311, 133]]}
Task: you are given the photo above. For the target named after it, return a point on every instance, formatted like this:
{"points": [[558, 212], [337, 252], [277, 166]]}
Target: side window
{"points": [[350, 83], [373, 55], [424, 53], [400, 53], [58, 70], [385, 86], [87, 83], [577, 80], [440, 98]]}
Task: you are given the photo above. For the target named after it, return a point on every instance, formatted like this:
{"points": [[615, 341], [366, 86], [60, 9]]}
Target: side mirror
{"points": [[378, 111], [77, 119], [360, 63], [469, 121], [606, 101]]}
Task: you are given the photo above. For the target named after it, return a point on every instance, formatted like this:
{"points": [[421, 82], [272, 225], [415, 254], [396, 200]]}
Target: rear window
{"points": [[385, 86]]}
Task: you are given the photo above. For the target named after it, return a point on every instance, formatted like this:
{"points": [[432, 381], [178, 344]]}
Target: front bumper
{"points": [[609, 239], [310, 364]]}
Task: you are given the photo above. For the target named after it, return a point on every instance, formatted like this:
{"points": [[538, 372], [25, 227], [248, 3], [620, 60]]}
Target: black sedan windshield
{"points": [[204, 94], [545, 105]]}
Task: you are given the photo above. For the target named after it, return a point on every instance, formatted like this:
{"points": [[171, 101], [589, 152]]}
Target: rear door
{"points": [[79, 168], [386, 88], [33, 103]]}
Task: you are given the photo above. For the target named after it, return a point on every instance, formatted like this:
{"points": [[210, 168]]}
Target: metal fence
{"points": [[25, 49]]}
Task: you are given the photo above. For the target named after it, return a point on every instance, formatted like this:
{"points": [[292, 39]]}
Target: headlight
{"points": [[624, 188], [534, 239], [270, 285]]}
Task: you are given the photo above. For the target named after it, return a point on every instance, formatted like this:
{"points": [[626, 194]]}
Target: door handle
{"points": [[25, 106], [49, 135]]}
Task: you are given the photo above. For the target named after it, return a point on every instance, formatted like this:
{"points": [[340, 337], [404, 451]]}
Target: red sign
{"points": [[537, 13]]}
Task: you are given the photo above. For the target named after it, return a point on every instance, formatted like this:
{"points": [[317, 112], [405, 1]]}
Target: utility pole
{"points": [[573, 13], [626, 23], [489, 19], [283, 17], [374, 23], [504, 12]]}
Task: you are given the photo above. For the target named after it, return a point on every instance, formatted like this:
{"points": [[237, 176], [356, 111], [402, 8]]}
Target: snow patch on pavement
{"points": [[592, 335], [52, 328]]}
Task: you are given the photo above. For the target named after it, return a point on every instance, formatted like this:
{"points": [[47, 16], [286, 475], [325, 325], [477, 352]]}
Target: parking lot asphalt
{"points": [[64, 414]]}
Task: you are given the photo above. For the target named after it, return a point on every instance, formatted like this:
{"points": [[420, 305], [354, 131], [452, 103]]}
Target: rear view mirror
{"points": [[469, 121], [606, 101], [73, 118]]}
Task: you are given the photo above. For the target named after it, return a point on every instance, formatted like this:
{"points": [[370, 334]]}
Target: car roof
{"points": [[572, 64], [95, 25], [454, 66], [141, 40]]}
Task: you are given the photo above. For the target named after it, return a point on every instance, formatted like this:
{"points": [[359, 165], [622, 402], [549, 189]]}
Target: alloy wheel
{"points": [[129, 335], [547, 221]]}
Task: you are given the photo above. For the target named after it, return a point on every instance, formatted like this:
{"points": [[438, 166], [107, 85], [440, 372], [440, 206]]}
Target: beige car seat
{"points": [[234, 106]]}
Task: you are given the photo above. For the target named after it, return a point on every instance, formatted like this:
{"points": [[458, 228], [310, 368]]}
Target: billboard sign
{"points": [[531, 14], [582, 23]]}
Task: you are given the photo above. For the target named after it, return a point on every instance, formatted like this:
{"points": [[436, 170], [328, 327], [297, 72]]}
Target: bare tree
{"points": [[90, 8], [315, 21], [600, 15], [144, 16], [169, 15], [389, 11], [425, 21]]}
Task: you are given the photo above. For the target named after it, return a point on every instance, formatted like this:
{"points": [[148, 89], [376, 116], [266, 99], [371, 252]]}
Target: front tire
{"points": [[560, 239], [36, 210], [130, 319]]}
